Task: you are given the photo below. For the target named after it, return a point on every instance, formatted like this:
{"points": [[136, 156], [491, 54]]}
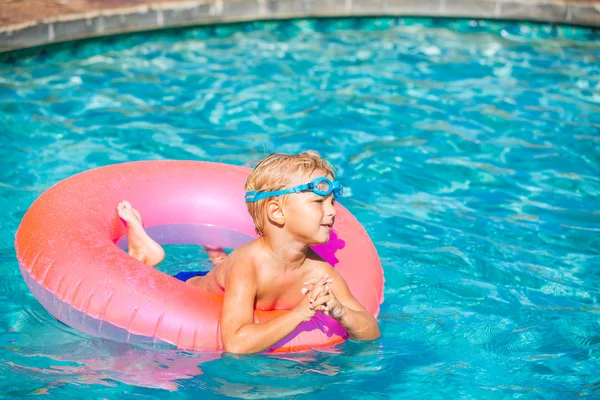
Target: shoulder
{"points": [[318, 266], [250, 257], [243, 260]]}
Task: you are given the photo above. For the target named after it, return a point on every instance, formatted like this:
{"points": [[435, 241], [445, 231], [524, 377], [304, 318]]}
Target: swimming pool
{"points": [[471, 151]]}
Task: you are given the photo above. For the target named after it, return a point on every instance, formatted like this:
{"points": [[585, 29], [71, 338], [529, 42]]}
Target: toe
{"points": [[125, 211], [121, 210], [137, 214]]}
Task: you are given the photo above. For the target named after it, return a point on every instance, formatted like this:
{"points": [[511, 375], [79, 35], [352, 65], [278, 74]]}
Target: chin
{"points": [[322, 239]]}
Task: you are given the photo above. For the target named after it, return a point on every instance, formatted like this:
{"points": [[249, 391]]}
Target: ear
{"points": [[275, 212]]}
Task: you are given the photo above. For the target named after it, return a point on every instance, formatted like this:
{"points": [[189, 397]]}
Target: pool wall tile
{"points": [[468, 8], [547, 12], [331, 7], [243, 8], [141, 20], [26, 37], [287, 7], [589, 14], [413, 7], [371, 7], [113, 23], [77, 28], [16, 31], [188, 15]]}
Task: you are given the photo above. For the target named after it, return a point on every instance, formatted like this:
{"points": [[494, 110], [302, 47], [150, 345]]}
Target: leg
{"points": [[141, 246]]}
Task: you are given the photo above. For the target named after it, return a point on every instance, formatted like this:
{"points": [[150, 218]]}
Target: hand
{"points": [[306, 308], [215, 254], [323, 298]]}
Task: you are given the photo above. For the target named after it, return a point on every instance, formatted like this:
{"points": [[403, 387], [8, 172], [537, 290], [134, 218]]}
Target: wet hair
{"points": [[275, 172]]}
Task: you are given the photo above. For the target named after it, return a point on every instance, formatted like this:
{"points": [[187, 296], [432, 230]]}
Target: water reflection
{"points": [[472, 152]]}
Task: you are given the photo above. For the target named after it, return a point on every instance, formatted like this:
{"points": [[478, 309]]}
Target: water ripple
{"points": [[470, 152]]}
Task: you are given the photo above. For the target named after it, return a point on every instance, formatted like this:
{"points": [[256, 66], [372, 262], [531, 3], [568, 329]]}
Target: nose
{"points": [[331, 210]]}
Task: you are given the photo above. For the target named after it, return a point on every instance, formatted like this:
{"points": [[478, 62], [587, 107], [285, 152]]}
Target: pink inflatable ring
{"points": [[67, 247]]}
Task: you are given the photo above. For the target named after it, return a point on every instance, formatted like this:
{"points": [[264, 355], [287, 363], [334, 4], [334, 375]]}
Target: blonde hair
{"points": [[275, 172]]}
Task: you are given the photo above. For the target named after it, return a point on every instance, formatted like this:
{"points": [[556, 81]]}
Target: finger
{"points": [[326, 290], [319, 309], [326, 308], [325, 280], [314, 293], [309, 287], [330, 290], [322, 300], [311, 281], [316, 287], [304, 291]]}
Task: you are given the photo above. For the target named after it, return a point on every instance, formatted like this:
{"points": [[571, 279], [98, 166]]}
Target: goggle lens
{"points": [[323, 187]]}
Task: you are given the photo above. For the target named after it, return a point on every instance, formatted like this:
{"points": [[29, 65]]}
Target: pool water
{"points": [[471, 154]]}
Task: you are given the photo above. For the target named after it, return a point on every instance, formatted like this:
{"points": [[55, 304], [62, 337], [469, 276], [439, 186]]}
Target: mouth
{"points": [[328, 226]]}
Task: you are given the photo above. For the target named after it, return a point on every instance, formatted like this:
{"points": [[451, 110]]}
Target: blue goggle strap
{"points": [[253, 196], [334, 187]]}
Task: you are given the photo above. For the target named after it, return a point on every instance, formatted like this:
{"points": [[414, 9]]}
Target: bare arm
{"points": [[336, 300], [239, 333]]}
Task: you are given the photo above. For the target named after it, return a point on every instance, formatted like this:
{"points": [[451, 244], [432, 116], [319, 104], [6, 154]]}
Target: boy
{"points": [[291, 200]]}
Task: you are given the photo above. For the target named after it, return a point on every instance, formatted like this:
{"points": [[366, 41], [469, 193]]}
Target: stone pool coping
{"points": [[33, 23]]}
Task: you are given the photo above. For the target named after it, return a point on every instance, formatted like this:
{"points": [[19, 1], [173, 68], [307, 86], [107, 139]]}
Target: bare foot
{"points": [[141, 246], [216, 254]]}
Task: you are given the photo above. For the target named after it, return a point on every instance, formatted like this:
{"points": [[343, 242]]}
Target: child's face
{"points": [[308, 216]]}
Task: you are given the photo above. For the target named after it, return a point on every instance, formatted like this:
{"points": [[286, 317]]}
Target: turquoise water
{"points": [[471, 151]]}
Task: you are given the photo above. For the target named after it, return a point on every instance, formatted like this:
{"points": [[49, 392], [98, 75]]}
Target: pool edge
{"points": [[156, 16]]}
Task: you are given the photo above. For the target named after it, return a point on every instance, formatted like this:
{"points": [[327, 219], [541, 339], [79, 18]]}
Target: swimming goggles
{"points": [[320, 186]]}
